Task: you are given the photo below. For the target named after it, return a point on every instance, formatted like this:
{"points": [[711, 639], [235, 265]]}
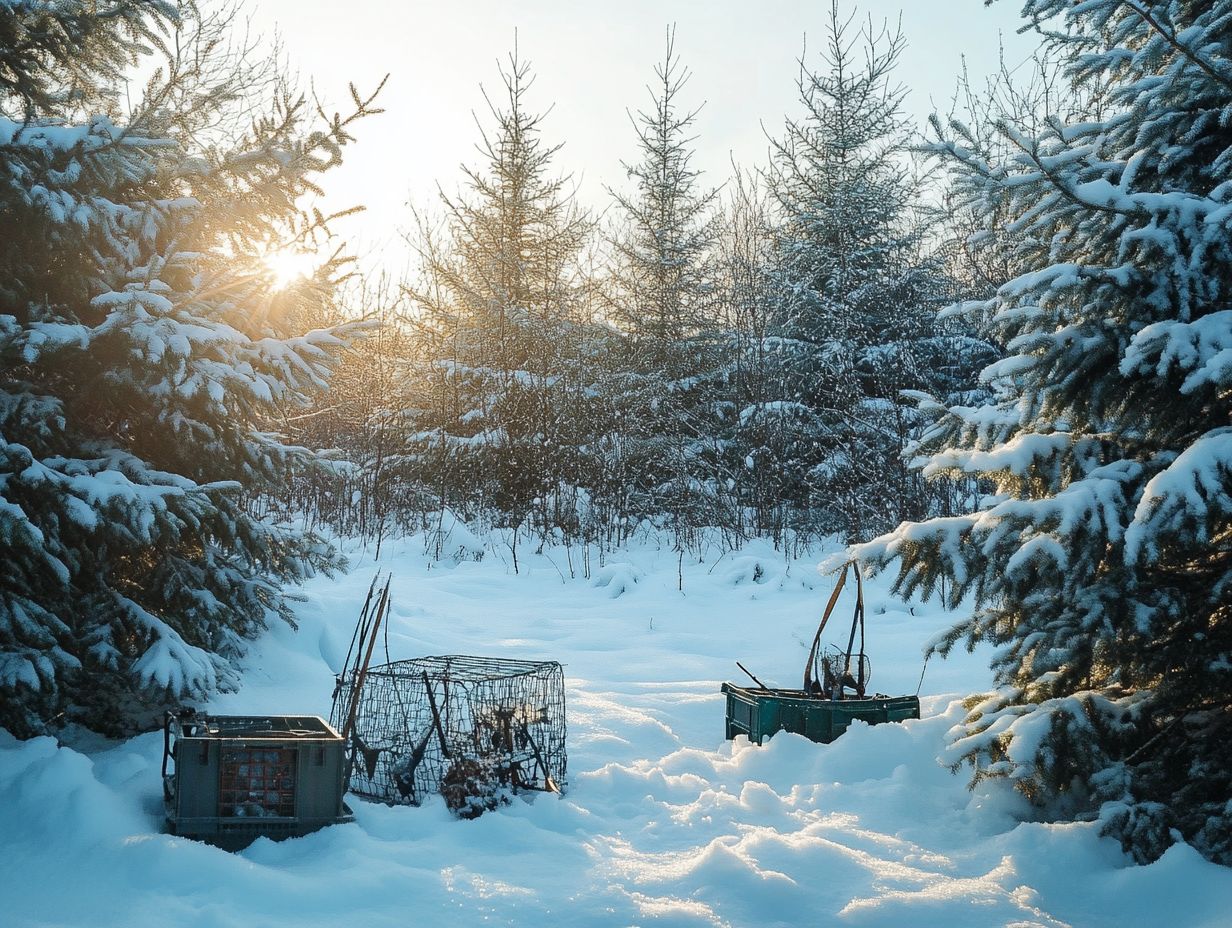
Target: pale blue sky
{"points": [[592, 62]]}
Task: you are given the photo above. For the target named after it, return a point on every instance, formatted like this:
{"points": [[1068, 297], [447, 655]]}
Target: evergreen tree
{"points": [[661, 296], [660, 281], [141, 349], [1100, 566], [756, 487], [501, 311], [856, 291]]}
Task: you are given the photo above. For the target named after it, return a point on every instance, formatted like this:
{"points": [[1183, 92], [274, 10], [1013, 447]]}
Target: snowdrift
{"points": [[663, 822]]}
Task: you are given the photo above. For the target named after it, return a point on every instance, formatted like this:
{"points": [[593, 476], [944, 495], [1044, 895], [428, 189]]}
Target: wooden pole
{"points": [[362, 673]]}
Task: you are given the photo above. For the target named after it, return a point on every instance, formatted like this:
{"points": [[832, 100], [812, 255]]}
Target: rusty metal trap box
{"points": [[760, 712], [229, 779], [471, 729]]}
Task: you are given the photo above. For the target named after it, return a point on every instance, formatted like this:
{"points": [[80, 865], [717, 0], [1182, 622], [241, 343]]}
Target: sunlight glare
{"points": [[288, 267]]}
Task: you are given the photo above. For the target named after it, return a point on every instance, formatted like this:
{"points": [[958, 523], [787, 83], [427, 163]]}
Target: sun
{"points": [[288, 267]]}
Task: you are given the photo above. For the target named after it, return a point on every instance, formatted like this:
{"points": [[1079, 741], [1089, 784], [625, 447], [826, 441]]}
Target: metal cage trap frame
{"points": [[465, 727]]}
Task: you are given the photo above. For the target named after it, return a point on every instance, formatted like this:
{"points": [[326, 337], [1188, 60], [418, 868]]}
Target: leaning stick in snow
{"points": [[381, 609], [357, 635], [812, 656], [751, 677], [857, 620]]}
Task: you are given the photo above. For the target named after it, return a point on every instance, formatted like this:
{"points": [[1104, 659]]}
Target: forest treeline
{"points": [[1004, 349], [733, 360]]}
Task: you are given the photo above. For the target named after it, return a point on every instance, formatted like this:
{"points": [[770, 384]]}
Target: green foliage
{"points": [[855, 293]]}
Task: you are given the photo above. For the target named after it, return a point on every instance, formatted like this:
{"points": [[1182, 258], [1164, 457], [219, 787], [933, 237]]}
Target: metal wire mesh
{"points": [[427, 725]]}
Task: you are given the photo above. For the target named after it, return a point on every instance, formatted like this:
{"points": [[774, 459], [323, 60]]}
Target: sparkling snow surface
{"points": [[664, 823]]}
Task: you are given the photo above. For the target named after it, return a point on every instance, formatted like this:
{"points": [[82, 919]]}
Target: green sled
{"points": [[758, 713]]}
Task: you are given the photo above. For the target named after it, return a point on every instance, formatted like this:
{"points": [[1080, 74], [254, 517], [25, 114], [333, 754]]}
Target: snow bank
{"points": [[664, 822]]}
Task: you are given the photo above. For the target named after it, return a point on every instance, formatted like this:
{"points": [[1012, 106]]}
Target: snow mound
{"points": [[751, 569], [454, 541], [617, 579]]}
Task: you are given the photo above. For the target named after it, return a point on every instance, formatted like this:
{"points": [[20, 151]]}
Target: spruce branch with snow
{"points": [[143, 349], [1100, 566]]}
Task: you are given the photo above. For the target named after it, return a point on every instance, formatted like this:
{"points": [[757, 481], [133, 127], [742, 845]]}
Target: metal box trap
{"points": [[472, 729], [231, 778]]}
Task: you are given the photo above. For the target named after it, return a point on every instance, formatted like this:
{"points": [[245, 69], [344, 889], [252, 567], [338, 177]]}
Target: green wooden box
{"points": [[759, 713]]}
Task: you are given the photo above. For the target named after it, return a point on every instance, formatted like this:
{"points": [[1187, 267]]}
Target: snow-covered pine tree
{"points": [[659, 286], [1101, 566], [141, 349], [756, 488], [855, 290], [496, 417], [660, 294]]}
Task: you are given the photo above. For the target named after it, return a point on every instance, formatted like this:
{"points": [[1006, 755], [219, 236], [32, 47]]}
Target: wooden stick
{"points": [[812, 656], [753, 678], [436, 716], [363, 620], [381, 608]]}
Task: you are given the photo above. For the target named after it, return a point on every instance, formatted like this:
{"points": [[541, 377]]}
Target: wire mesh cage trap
{"points": [[473, 729]]}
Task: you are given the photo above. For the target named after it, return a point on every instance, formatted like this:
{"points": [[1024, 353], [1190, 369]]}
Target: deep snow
{"points": [[664, 823]]}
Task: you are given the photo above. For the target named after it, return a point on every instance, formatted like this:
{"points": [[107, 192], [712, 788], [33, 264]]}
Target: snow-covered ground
{"points": [[664, 822]]}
